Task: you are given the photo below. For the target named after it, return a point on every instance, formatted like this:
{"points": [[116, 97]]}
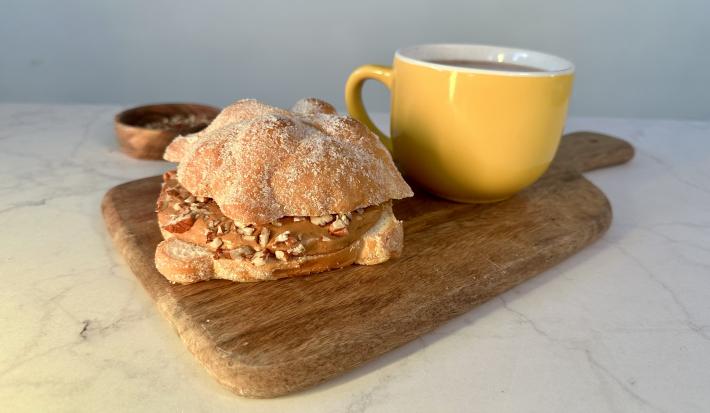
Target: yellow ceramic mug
{"points": [[470, 134]]}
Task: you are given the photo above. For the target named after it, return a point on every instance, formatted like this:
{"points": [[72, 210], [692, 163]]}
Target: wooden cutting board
{"points": [[271, 338]]}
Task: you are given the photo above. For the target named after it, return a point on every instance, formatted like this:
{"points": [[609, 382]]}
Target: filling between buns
{"points": [[199, 221]]}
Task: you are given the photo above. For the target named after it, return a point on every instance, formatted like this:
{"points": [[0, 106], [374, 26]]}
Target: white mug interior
{"points": [[545, 64]]}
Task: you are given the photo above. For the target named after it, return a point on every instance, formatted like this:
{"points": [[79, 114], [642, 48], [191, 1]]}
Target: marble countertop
{"points": [[622, 326]]}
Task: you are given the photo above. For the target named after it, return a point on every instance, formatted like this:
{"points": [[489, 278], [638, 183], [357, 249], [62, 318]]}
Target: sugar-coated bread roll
{"points": [[265, 193]]}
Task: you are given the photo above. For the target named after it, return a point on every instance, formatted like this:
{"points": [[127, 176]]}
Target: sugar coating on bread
{"points": [[260, 163]]}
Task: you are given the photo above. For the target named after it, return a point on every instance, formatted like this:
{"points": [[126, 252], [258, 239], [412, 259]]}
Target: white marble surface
{"points": [[623, 326]]}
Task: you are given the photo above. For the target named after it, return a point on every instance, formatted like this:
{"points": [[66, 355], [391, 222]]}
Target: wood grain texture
{"points": [[271, 338]]}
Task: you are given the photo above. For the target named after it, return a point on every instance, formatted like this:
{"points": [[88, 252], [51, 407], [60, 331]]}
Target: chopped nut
{"points": [[190, 199], [216, 243], [248, 237], [282, 237], [177, 206], [322, 220], [200, 199], [246, 230], [259, 258], [325, 238], [337, 224], [220, 231], [194, 207], [240, 251], [245, 250], [227, 244], [297, 250], [180, 224], [280, 255], [264, 236]]}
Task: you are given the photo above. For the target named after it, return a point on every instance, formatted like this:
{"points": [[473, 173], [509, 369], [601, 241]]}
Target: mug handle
{"points": [[353, 96]]}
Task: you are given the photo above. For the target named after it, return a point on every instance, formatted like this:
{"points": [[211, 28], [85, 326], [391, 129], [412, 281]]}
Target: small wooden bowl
{"points": [[144, 131]]}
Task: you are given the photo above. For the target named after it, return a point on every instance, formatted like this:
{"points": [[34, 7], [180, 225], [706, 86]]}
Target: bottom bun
{"points": [[184, 263]]}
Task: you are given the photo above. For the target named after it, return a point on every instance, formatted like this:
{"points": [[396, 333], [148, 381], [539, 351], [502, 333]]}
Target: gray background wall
{"points": [[640, 58]]}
